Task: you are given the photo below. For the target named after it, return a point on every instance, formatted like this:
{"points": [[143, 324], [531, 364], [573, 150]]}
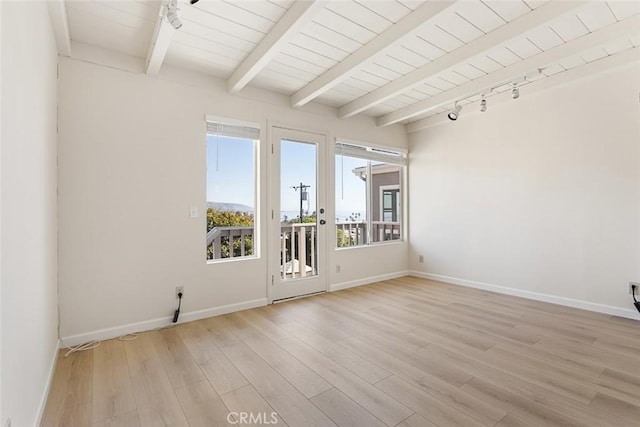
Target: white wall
{"points": [[132, 161], [539, 194], [28, 211], [1, 401]]}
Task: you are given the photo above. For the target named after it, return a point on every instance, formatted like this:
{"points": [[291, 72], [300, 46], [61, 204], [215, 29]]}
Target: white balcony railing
{"points": [[298, 250], [354, 233], [297, 242], [227, 237]]}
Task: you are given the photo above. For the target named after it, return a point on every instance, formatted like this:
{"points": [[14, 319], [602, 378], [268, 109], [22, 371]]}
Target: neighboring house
{"points": [[386, 203]]}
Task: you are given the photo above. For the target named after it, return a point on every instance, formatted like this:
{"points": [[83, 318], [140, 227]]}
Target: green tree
{"points": [[220, 218], [342, 239]]}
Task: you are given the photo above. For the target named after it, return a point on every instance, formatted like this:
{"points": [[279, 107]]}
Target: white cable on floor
{"points": [[82, 347], [128, 337], [134, 335]]}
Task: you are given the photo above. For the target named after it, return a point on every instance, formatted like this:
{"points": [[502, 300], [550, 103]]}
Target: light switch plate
{"points": [[193, 212]]}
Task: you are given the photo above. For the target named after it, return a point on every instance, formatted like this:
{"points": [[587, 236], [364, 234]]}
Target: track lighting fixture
{"points": [[453, 114], [483, 104], [172, 15], [515, 92], [193, 1]]}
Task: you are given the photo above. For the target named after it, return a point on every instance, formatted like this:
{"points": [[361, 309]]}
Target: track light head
{"points": [[483, 104], [172, 15], [515, 92], [453, 114], [193, 1]]}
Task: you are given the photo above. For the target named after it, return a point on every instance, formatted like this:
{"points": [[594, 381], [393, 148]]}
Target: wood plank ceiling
{"points": [[401, 61]]}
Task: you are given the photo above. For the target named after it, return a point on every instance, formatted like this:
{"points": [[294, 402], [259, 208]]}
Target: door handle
{"points": [[323, 222]]}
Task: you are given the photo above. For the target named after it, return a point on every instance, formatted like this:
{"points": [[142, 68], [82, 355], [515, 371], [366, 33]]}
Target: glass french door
{"points": [[298, 231]]}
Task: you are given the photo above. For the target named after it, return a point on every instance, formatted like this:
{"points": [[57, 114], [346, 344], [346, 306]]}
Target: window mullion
{"points": [[369, 188]]}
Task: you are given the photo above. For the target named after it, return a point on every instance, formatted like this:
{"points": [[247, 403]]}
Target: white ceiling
{"points": [[402, 60]]}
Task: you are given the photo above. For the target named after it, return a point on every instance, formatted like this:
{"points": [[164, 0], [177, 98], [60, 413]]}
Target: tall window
{"points": [[231, 190], [368, 195]]}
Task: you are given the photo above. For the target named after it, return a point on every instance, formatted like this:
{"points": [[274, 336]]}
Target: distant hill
{"points": [[230, 207]]}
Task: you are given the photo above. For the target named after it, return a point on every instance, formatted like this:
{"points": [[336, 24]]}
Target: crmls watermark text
{"points": [[261, 418]]}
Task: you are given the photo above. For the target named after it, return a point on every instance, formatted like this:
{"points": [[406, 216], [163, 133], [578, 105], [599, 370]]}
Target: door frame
{"points": [[273, 209]]}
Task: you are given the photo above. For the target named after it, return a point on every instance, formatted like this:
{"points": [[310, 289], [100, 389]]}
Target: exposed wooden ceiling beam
{"points": [[298, 15], [378, 46], [60, 24], [618, 30], [621, 59], [162, 35], [521, 25]]}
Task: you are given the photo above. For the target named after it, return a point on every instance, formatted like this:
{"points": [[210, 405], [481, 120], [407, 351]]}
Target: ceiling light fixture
{"points": [[483, 104], [515, 92], [172, 15], [453, 114], [193, 1]]}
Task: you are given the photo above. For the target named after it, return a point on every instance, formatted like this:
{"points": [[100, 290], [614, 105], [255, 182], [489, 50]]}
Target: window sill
{"points": [[231, 260], [373, 245]]}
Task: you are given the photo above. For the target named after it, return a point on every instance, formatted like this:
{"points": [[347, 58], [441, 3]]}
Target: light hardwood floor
{"points": [[406, 352]]}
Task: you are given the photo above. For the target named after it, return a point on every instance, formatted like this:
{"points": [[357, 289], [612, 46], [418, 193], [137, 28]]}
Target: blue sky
{"points": [[229, 170], [229, 177]]}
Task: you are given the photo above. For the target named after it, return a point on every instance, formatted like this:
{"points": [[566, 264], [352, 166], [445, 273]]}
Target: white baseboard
{"points": [[47, 388], [569, 302], [147, 325], [367, 280]]}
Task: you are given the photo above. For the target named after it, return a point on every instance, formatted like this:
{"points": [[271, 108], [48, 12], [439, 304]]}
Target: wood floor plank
{"points": [[450, 395], [247, 400], [390, 411], [178, 363], [511, 420], [112, 389], [297, 373], [353, 362], [288, 402], [155, 398], [344, 411], [202, 406], [264, 325], [71, 390], [425, 404], [317, 318], [407, 352], [127, 419], [417, 420], [519, 405], [620, 385], [610, 405], [219, 370], [491, 372], [586, 353], [219, 331]]}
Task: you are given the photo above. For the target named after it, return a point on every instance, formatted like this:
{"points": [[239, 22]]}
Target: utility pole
{"points": [[301, 187]]}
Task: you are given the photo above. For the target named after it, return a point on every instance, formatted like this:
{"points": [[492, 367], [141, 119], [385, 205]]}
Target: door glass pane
{"points": [[298, 227]]}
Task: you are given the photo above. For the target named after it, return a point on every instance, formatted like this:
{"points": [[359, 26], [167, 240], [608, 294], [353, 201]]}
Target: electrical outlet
{"points": [[179, 290], [637, 285], [421, 259], [337, 268]]}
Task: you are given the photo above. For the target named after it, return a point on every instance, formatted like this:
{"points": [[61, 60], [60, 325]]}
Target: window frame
{"points": [[256, 236], [402, 165], [398, 212]]}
